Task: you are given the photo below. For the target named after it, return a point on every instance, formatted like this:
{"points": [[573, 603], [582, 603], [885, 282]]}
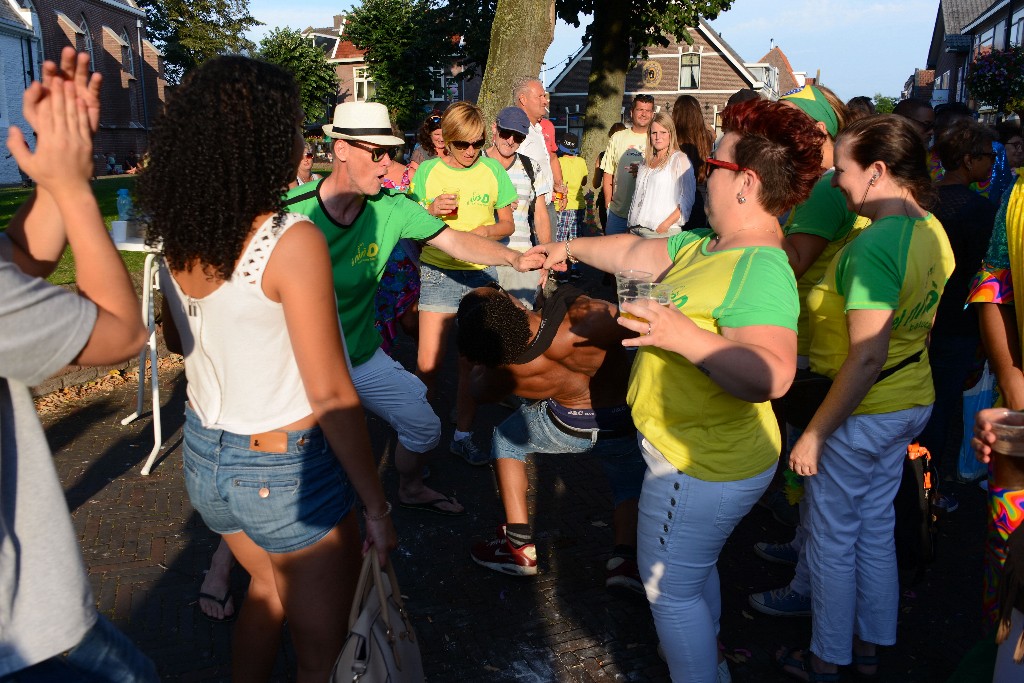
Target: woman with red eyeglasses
{"points": [[472, 193], [305, 174], [709, 362]]}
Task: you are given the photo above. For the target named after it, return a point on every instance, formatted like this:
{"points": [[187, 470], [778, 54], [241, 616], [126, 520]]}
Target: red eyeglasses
{"points": [[728, 165]]}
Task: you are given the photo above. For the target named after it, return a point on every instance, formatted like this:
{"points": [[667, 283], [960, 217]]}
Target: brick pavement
{"points": [[146, 549]]}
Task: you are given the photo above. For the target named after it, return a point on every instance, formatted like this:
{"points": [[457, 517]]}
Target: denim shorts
{"points": [[282, 501], [442, 289], [531, 430]]}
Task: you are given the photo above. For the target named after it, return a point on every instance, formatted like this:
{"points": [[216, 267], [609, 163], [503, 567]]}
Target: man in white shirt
{"points": [[528, 94], [622, 158]]}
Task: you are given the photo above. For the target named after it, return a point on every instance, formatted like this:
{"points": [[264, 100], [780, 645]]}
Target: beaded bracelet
{"points": [[377, 518], [568, 253]]}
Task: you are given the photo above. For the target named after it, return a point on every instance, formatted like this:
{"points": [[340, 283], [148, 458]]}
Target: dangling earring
{"points": [[740, 198]]}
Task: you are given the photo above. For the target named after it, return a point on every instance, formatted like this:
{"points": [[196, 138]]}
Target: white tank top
{"points": [[241, 370]]}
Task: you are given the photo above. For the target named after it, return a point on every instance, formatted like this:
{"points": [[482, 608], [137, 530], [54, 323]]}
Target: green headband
{"points": [[813, 103]]}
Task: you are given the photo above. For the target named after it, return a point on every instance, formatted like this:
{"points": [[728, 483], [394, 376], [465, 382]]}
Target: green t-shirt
{"points": [[824, 215], [359, 253], [482, 188], [897, 264], [700, 428], [624, 148]]}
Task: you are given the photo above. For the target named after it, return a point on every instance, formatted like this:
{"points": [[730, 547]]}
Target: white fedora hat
{"points": [[365, 121]]}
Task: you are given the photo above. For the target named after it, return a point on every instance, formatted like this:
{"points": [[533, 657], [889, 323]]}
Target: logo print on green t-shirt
{"points": [[365, 254]]}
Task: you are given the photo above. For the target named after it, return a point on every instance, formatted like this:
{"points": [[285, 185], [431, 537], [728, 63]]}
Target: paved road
{"points": [[146, 548]]}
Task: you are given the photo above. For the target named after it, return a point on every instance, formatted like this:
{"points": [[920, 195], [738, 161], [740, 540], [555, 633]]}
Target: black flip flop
{"points": [[432, 506], [220, 601]]}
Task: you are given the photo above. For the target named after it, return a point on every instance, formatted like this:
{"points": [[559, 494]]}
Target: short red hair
{"points": [[779, 143]]}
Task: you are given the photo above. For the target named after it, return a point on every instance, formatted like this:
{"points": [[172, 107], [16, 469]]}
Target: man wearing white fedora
{"points": [[362, 224]]}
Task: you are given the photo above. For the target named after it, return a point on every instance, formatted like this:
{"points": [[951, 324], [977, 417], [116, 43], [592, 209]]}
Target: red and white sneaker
{"points": [[623, 577], [501, 556]]}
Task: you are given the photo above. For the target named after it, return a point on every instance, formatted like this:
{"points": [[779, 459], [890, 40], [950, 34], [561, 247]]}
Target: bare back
{"points": [[585, 366]]}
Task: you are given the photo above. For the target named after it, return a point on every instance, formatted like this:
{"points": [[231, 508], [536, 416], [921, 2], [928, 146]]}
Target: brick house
{"points": [[355, 83], [709, 69], [949, 53], [113, 32]]}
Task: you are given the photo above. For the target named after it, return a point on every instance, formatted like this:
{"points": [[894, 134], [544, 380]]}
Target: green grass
{"points": [[105, 190]]}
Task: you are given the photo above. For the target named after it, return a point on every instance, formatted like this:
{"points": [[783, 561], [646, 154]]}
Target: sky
{"points": [[860, 48]]}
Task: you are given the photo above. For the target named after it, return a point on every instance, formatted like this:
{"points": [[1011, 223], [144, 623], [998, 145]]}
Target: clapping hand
{"points": [[62, 160]]}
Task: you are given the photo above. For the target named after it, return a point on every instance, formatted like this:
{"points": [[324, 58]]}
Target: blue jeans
{"points": [[104, 654], [952, 360], [849, 547], [530, 430], [441, 289], [616, 225], [282, 501], [684, 522]]}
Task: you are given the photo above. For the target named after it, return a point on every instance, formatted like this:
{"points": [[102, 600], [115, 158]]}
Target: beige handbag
{"points": [[381, 646]]}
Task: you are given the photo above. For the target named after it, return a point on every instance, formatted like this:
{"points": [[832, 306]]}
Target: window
{"points": [[999, 42], [943, 82], [85, 43], [689, 71], [983, 43], [1017, 28], [127, 60], [363, 84]]}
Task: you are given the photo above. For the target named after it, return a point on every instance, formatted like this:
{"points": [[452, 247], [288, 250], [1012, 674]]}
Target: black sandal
{"points": [[804, 665]]}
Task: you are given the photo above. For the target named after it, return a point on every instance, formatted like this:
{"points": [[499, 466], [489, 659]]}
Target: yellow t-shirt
{"points": [[624, 148], [483, 187], [574, 172], [825, 215], [896, 264], [700, 428]]}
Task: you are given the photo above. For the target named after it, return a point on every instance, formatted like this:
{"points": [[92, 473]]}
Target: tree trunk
{"points": [[609, 51], [521, 34]]}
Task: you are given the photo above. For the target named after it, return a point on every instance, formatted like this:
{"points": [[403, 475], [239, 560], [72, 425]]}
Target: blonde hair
{"points": [[663, 119], [462, 121]]}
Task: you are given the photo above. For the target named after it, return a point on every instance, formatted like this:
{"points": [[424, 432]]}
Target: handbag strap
{"points": [[885, 374], [359, 599]]}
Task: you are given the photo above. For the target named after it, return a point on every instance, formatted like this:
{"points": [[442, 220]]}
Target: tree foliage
{"points": [[997, 79], [403, 39], [472, 20], [316, 78], [192, 31], [883, 104]]}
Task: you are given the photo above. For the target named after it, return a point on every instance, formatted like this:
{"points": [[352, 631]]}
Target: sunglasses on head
{"points": [[462, 145], [718, 163], [376, 153], [434, 119], [505, 134]]}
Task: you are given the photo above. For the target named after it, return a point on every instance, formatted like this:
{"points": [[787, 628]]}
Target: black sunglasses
{"points": [[376, 153], [462, 145], [505, 134]]}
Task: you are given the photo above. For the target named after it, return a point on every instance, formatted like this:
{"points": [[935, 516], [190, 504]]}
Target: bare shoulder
{"points": [[300, 253]]}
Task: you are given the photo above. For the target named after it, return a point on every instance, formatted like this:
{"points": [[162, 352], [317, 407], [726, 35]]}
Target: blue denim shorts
{"points": [[282, 501], [442, 289], [531, 430]]}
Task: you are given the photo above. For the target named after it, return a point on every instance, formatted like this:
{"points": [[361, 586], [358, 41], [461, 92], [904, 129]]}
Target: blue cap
{"points": [[513, 119]]}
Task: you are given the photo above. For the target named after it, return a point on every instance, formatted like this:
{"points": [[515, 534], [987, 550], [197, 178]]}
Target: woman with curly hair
{"points": [[871, 315], [708, 365], [275, 442], [429, 142]]}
